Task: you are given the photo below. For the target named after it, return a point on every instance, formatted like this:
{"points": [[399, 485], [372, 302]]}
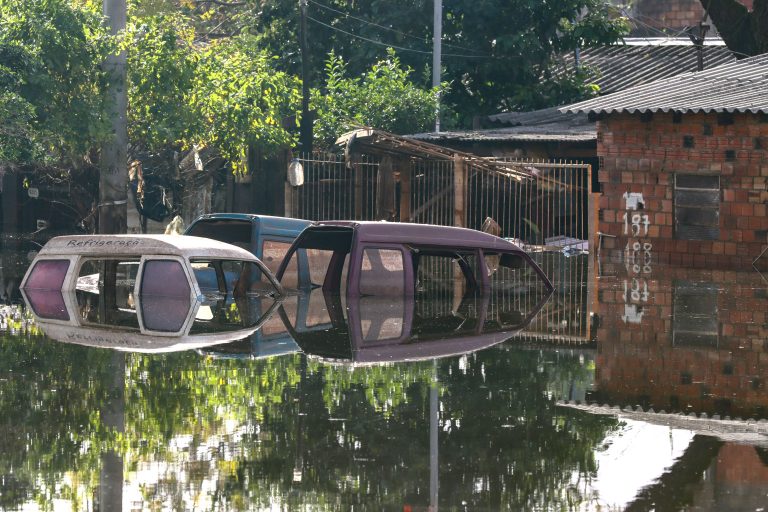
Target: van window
{"points": [[234, 277], [48, 275], [244, 278], [313, 255], [165, 295], [104, 291], [382, 272], [444, 275], [207, 277]]}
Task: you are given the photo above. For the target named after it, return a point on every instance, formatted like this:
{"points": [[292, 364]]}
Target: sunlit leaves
{"points": [[161, 70], [383, 97], [242, 99], [50, 80]]}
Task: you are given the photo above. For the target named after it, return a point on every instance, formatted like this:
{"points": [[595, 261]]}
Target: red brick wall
{"points": [[673, 14], [739, 464], [637, 363], [642, 157]]}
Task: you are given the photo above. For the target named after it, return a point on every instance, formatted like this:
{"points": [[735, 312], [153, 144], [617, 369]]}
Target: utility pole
{"points": [[437, 55], [113, 172], [697, 37], [305, 128]]}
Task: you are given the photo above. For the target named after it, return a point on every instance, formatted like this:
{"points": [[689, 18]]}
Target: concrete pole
{"points": [[113, 176], [437, 55], [305, 131]]}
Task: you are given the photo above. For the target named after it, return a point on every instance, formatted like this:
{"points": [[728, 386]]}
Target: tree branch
{"points": [[219, 2]]}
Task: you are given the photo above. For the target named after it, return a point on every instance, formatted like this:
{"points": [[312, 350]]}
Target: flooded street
{"points": [[627, 388]]}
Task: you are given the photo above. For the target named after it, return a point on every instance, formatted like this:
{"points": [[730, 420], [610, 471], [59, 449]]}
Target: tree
{"points": [[162, 64], [383, 97], [242, 100], [51, 83], [497, 54], [744, 32]]}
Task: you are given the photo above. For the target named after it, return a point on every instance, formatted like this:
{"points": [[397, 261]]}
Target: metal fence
{"points": [[548, 209], [334, 191]]}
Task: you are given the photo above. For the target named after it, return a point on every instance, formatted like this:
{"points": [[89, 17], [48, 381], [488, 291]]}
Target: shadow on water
{"points": [[445, 401]]}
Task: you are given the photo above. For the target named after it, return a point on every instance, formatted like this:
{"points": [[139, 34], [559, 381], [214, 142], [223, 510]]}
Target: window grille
{"points": [[697, 207]]}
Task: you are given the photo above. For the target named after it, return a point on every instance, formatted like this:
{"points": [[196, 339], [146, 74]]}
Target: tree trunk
{"points": [[113, 177], [744, 32]]}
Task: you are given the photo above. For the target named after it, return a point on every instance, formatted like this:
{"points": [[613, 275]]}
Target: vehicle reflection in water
{"points": [[371, 330], [112, 318]]}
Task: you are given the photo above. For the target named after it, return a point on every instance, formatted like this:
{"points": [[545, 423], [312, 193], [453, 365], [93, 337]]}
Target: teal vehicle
{"points": [[268, 238]]}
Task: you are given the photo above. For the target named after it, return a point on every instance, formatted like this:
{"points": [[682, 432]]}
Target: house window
{"points": [[697, 207]]}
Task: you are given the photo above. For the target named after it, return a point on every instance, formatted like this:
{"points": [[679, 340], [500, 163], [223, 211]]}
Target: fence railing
{"points": [[549, 208]]}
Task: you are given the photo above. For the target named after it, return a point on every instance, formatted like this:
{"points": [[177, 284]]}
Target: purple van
{"points": [[357, 259]]}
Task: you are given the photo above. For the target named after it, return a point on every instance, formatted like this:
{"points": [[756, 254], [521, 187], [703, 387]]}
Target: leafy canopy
{"points": [[383, 97], [51, 85], [497, 54], [241, 99]]}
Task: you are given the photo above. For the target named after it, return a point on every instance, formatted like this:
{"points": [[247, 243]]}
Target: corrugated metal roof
{"points": [[546, 125], [740, 86], [619, 67]]}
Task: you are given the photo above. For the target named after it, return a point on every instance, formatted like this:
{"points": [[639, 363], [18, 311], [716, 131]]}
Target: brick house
{"points": [[684, 167]]}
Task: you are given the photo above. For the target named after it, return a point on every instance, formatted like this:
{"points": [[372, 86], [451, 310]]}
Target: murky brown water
{"points": [[630, 389]]}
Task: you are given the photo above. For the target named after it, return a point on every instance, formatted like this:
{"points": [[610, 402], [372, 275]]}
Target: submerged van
{"points": [[355, 259], [161, 285], [266, 237]]}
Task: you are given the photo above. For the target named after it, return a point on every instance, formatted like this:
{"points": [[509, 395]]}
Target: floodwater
{"points": [[628, 388]]}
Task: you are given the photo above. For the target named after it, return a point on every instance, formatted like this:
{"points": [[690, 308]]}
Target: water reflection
{"points": [[230, 427], [370, 330], [151, 323], [682, 353]]}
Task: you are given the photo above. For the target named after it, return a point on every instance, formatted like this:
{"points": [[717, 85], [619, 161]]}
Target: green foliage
{"points": [[384, 98], [161, 70], [498, 55], [51, 85], [242, 99], [16, 129]]}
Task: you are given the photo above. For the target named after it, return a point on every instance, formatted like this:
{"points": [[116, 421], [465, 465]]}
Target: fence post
{"points": [[385, 190], [358, 176], [459, 191], [405, 189]]}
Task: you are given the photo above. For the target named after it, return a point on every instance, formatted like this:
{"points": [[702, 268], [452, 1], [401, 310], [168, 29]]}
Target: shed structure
{"points": [[684, 167]]}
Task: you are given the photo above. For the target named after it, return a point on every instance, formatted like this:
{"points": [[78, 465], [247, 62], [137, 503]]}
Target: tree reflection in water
{"points": [[238, 434]]}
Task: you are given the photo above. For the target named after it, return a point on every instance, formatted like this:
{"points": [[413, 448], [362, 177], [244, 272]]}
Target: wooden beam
{"points": [[459, 191]]}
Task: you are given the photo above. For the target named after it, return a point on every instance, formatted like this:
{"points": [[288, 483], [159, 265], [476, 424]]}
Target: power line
{"points": [[362, 20], [651, 27], [680, 32], [396, 47]]}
